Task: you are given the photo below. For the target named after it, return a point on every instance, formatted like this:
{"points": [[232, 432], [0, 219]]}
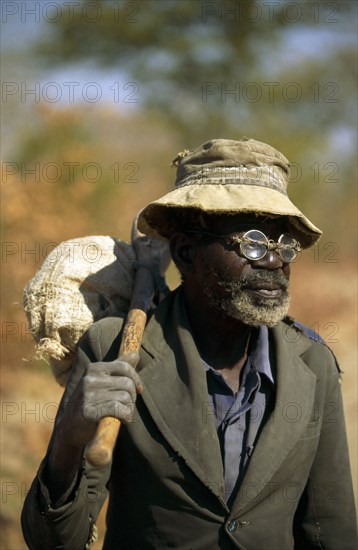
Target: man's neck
{"points": [[221, 340]]}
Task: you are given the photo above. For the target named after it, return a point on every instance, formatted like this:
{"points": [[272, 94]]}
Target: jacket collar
{"points": [[175, 393]]}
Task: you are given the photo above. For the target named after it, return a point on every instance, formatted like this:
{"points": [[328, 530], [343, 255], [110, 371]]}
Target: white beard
{"points": [[238, 303]]}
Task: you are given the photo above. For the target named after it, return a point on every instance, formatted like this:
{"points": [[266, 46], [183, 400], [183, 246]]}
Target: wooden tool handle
{"points": [[99, 451]]}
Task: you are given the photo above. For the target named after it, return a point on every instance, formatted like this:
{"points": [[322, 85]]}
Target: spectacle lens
{"points": [[254, 245], [288, 247]]}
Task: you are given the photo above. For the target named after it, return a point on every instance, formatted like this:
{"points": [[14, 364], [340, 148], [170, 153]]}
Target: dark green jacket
{"points": [[167, 485]]}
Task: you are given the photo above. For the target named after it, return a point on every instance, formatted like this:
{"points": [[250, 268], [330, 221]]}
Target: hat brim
{"points": [[227, 199]]}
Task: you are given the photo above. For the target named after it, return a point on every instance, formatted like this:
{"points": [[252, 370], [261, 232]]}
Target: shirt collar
{"points": [[258, 358]]}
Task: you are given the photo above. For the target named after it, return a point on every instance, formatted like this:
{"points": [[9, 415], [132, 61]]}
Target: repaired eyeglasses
{"points": [[254, 244]]}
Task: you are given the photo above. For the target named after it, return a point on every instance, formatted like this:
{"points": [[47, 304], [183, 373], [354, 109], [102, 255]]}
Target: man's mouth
{"points": [[265, 290]]}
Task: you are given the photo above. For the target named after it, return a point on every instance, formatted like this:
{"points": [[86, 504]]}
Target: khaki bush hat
{"points": [[229, 177]]}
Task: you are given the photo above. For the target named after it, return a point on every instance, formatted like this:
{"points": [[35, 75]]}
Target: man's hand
{"points": [[106, 389]]}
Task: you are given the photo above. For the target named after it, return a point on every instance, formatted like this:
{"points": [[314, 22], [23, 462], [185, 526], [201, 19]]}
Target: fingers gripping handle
{"points": [[99, 451]]}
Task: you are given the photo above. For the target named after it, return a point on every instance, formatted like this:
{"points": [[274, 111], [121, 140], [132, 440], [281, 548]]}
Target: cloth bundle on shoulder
{"points": [[81, 281]]}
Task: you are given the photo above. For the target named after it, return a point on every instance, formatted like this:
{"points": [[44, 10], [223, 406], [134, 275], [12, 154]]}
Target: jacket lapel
{"points": [[293, 408], [175, 393], [176, 397]]}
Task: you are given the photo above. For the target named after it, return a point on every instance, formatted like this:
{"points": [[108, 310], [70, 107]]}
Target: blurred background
{"points": [[99, 96]]}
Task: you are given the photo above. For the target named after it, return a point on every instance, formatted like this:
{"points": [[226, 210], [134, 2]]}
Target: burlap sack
{"points": [[81, 281]]}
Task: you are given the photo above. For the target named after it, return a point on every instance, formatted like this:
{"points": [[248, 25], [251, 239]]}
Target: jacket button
{"points": [[232, 526]]}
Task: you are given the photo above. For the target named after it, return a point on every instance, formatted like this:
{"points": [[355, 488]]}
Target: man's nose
{"points": [[271, 260]]}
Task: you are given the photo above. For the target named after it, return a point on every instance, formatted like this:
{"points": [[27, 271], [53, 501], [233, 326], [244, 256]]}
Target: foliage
{"points": [[194, 61]]}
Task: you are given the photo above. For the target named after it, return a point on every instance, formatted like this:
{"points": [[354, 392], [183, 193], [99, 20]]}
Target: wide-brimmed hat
{"points": [[229, 177]]}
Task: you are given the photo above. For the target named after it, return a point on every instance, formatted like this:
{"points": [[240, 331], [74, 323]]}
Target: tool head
{"points": [[151, 252]]}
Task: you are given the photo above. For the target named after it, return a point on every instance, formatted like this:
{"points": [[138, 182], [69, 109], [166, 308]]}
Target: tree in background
{"points": [[278, 71], [220, 63]]}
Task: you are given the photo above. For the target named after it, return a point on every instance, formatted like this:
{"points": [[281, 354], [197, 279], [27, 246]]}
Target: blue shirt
{"points": [[239, 416]]}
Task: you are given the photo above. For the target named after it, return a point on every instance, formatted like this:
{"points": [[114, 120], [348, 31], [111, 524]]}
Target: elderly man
{"points": [[237, 438]]}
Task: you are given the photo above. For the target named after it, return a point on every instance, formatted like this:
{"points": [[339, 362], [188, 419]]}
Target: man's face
{"points": [[254, 292]]}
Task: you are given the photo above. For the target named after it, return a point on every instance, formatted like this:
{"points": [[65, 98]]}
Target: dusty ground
{"points": [[30, 394]]}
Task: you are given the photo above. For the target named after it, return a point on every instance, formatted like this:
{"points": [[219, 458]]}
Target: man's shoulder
{"points": [[299, 331], [309, 332], [101, 340], [106, 333], [313, 347], [107, 326]]}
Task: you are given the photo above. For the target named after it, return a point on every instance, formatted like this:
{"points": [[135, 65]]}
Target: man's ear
{"points": [[183, 252]]}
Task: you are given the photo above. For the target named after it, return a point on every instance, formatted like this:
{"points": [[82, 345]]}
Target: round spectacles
{"points": [[254, 244]]}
